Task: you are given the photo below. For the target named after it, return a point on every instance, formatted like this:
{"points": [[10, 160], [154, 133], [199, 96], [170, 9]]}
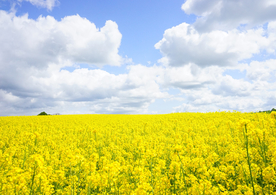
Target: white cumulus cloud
{"points": [[263, 71], [34, 53], [226, 15], [183, 44], [36, 43], [196, 68]]}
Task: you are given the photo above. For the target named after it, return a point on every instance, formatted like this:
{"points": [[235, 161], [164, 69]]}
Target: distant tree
{"points": [[268, 111], [42, 113]]}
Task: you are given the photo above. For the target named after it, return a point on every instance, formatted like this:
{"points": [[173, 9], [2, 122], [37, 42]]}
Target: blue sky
{"points": [[136, 57], [137, 21]]}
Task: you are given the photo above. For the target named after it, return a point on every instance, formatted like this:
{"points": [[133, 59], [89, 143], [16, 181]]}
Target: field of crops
{"points": [[184, 153]]}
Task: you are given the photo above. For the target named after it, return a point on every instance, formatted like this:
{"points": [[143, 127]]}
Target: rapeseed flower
{"points": [[183, 153]]}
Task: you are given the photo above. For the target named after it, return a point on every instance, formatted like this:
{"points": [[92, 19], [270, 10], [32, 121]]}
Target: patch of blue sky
{"points": [[265, 25], [235, 74], [245, 27], [25, 7], [116, 70], [242, 27], [272, 78], [78, 66], [174, 91], [5, 5], [261, 57], [164, 106], [68, 68]]}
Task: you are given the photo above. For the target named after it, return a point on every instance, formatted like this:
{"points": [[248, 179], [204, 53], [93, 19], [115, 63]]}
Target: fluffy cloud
{"points": [[209, 81], [97, 91], [198, 56], [30, 47], [39, 42], [263, 71], [49, 4], [225, 104], [227, 86], [226, 15], [188, 77], [82, 90], [183, 44], [228, 99], [33, 55], [210, 89]]}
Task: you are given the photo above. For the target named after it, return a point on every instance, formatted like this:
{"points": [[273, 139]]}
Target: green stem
{"points": [[33, 177], [183, 174], [151, 177], [248, 158], [78, 188]]}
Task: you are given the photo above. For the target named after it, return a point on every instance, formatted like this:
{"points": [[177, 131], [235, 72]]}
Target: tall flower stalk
{"points": [[248, 156]]}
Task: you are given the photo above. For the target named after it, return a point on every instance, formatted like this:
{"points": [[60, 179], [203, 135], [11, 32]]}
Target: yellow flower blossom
{"points": [[182, 153]]}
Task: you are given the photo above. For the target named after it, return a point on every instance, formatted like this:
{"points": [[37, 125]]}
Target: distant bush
{"points": [[268, 111], [42, 113]]}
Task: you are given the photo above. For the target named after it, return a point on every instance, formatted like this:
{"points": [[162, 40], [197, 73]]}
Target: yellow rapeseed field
{"points": [[183, 153]]}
